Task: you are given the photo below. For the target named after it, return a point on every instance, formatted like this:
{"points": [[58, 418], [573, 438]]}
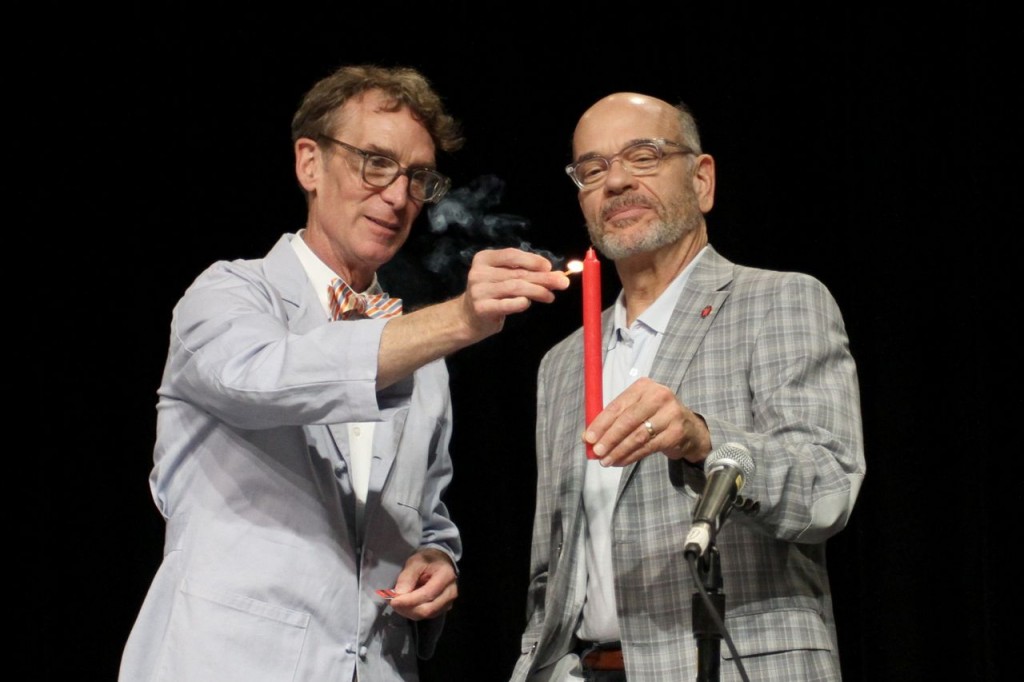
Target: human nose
{"points": [[619, 177], [397, 193]]}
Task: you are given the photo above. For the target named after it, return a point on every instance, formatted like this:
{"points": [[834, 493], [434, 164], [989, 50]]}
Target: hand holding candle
{"points": [[593, 376]]}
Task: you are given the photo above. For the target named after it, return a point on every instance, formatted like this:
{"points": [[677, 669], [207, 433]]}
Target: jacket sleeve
{"points": [[805, 433], [234, 355]]}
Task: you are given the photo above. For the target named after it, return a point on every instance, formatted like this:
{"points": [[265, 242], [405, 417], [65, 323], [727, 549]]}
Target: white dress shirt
{"points": [[631, 352], [360, 434]]}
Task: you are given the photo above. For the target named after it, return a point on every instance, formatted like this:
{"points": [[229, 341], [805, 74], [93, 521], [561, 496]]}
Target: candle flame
{"points": [[573, 266]]}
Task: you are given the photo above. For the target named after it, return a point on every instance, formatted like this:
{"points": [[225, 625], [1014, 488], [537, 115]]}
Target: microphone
{"points": [[725, 470]]}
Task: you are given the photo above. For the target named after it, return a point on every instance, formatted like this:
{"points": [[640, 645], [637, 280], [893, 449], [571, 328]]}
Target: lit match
{"points": [[573, 266]]}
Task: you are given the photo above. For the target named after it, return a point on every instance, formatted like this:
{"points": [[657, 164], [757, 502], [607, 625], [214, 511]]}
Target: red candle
{"points": [[593, 377]]}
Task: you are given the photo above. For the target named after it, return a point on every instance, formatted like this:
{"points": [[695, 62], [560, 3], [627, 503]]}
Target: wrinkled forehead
{"points": [[620, 119]]}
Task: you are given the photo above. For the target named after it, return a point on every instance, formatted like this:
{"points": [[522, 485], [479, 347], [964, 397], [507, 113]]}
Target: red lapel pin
{"points": [[706, 311]]}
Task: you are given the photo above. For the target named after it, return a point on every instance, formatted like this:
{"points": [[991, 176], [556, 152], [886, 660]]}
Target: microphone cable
{"points": [[715, 616]]}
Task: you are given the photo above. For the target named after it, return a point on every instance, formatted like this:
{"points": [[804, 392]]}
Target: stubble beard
{"points": [[679, 217]]}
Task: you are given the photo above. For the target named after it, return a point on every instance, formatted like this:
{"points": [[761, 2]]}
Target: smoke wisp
{"points": [[466, 221]]}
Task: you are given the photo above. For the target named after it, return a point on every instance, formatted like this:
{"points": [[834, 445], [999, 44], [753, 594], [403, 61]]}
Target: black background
{"points": [[877, 149]]}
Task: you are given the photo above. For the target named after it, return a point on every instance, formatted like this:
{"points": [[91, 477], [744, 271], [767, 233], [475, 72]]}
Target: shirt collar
{"points": [[657, 316], [320, 275]]}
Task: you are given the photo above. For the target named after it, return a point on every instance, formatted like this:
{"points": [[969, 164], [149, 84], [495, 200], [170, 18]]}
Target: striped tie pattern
{"points": [[346, 304]]}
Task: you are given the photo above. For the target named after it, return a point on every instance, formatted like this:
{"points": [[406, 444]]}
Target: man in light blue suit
{"points": [[698, 353], [303, 421]]}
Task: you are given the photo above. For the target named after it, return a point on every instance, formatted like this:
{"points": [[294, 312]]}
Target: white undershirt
{"points": [[630, 355], [360, 434]]}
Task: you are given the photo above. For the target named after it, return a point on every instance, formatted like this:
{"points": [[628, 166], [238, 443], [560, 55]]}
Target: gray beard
{"points": [[683, 216]]}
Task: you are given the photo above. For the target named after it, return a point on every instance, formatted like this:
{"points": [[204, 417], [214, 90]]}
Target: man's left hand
{"points": [[644, 419], [426, 586]]}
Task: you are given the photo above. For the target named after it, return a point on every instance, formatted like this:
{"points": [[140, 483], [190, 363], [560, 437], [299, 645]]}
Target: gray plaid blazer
{"points": [[764, 357]]}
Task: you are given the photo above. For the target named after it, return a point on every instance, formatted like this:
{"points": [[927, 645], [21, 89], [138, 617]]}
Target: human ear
{"points": [[704, 181], [308, 161]]}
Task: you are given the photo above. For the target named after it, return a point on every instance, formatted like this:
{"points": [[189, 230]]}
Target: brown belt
{"points": [[603, 659]]}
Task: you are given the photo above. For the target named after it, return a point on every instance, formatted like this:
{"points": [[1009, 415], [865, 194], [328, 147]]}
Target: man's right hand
{"points": [[503, 282], [500, 282]]}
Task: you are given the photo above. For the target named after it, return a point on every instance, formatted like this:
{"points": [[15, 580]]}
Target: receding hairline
{"points": [[680, 113]]}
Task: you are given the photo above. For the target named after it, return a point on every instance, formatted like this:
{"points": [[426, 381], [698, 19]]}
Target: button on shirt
{"points": [[360, 434], [630, 355]]}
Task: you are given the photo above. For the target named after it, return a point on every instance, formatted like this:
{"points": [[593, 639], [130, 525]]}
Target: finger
{"points": [[548, 280], [509, 295], [615, 422], [502, 266], [512, 258], [636, 444], [635, 423], [419, 605], [664, 432]]}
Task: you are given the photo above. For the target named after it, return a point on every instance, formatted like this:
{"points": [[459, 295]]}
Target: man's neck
{"points": [[645, 276]]}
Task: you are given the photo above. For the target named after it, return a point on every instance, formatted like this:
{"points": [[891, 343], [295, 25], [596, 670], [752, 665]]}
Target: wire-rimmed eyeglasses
{"points": [[377, 170], [641, 157]]}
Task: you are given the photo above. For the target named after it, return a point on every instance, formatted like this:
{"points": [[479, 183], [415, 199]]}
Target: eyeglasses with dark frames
{"points": [[378, 170], [642, 157]]}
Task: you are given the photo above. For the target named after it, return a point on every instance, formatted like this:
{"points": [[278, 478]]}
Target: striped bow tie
{"points": [[346, 304]]}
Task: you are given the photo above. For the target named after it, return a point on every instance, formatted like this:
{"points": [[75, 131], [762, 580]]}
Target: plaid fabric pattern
{"points": [[347, 304], [763, 357]]}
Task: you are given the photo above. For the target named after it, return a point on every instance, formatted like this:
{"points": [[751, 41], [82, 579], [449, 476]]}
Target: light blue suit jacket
{"points": [[763, 356], [263, 577]]}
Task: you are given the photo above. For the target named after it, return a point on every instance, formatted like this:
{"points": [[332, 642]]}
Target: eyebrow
{"points": [[393, 155], [595, 155], [383, 151]]}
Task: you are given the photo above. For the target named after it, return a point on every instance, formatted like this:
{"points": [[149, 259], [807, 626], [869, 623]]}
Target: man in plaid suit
{"points": [[698, 352]]}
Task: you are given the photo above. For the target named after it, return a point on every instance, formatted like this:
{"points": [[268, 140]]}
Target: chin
{"points": [[381, 255]]}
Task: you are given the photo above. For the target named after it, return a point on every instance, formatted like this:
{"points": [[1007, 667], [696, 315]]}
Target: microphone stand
{"points": [[705, 630]]}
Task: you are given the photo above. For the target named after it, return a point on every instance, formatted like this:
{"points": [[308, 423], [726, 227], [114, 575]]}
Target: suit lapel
{"points": [[693, 316], [387, 437], [571, 485], [705, 292], [285, 273], [305, 313], [568, 592]]}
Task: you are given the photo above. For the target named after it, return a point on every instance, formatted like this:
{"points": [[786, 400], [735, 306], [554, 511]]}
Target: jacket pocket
{"points": [[218, 635], [778, 630]]}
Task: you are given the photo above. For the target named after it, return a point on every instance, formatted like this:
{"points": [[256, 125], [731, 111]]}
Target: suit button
{"points": [[363, 651]]}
